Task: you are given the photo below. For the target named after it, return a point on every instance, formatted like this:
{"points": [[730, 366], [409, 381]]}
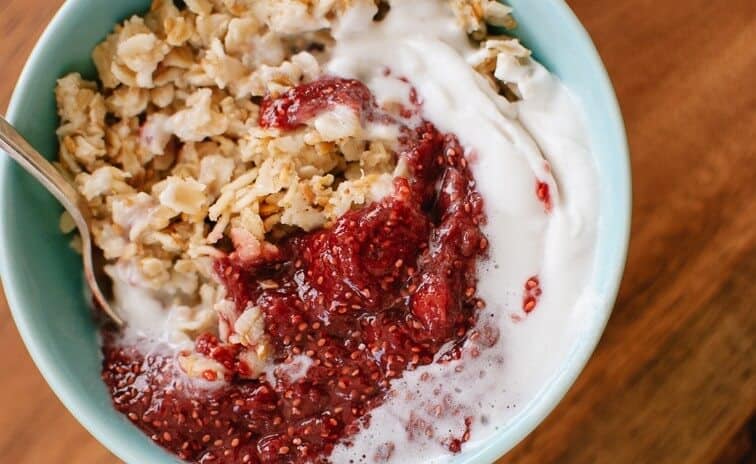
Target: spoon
{"points": [[35, 164]]}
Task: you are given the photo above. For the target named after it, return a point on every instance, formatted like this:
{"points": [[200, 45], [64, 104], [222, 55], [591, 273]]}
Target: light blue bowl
{"points": [[42, 276]]}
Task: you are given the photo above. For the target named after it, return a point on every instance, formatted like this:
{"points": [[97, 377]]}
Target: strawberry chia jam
{"points": [[377, 293]]}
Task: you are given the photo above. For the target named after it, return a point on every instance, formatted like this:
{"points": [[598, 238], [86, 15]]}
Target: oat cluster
{"points": [[166, 147]]}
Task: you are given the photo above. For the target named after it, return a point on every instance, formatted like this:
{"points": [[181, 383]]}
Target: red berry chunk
{"points": [[302, 103]]}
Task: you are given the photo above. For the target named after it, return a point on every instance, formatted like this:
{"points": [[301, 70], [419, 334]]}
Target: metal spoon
{"points": [[35, 164]]}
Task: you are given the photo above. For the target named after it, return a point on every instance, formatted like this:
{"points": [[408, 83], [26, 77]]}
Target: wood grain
{"points": [[674, 377]]}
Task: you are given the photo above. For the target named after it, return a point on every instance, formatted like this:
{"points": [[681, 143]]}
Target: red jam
{"points": [[531, 294], [300, 104], [544, 194], [377, 293]]}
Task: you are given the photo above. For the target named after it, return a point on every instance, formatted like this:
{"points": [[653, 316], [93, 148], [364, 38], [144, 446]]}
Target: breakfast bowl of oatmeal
{"points": [[337, 231]]}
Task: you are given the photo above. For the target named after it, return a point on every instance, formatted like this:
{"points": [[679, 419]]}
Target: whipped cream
{"points": [[511, 147]]}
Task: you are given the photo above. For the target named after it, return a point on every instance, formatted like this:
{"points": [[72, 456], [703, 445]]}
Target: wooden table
{"points": [[674, 378]]}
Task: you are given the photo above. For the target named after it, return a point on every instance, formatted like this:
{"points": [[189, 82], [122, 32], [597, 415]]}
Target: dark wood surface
{"points": [[674, 377]]}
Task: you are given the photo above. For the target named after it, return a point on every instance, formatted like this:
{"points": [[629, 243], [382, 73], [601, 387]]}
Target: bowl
{"points": [[42, 275]]}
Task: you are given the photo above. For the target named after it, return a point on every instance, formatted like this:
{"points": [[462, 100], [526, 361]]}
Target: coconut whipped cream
{"points": [[512, 147]]}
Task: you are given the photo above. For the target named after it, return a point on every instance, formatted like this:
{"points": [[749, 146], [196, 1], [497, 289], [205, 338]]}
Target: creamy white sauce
{"points": [[510, 146], [146, 316], [154, 321]]}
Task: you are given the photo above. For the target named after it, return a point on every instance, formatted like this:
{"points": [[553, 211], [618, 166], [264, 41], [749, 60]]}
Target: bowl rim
{"points": [[537, 411]]}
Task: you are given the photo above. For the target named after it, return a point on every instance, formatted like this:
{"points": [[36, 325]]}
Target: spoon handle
{"points": [[35, 164]]}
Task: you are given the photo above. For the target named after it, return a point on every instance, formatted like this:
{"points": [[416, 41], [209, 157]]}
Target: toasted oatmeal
{"points": [[476, 16], [167, 149]]}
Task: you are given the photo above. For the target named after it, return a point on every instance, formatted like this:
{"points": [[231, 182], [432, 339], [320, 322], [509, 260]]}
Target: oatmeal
{"points": [[319, 217]]}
